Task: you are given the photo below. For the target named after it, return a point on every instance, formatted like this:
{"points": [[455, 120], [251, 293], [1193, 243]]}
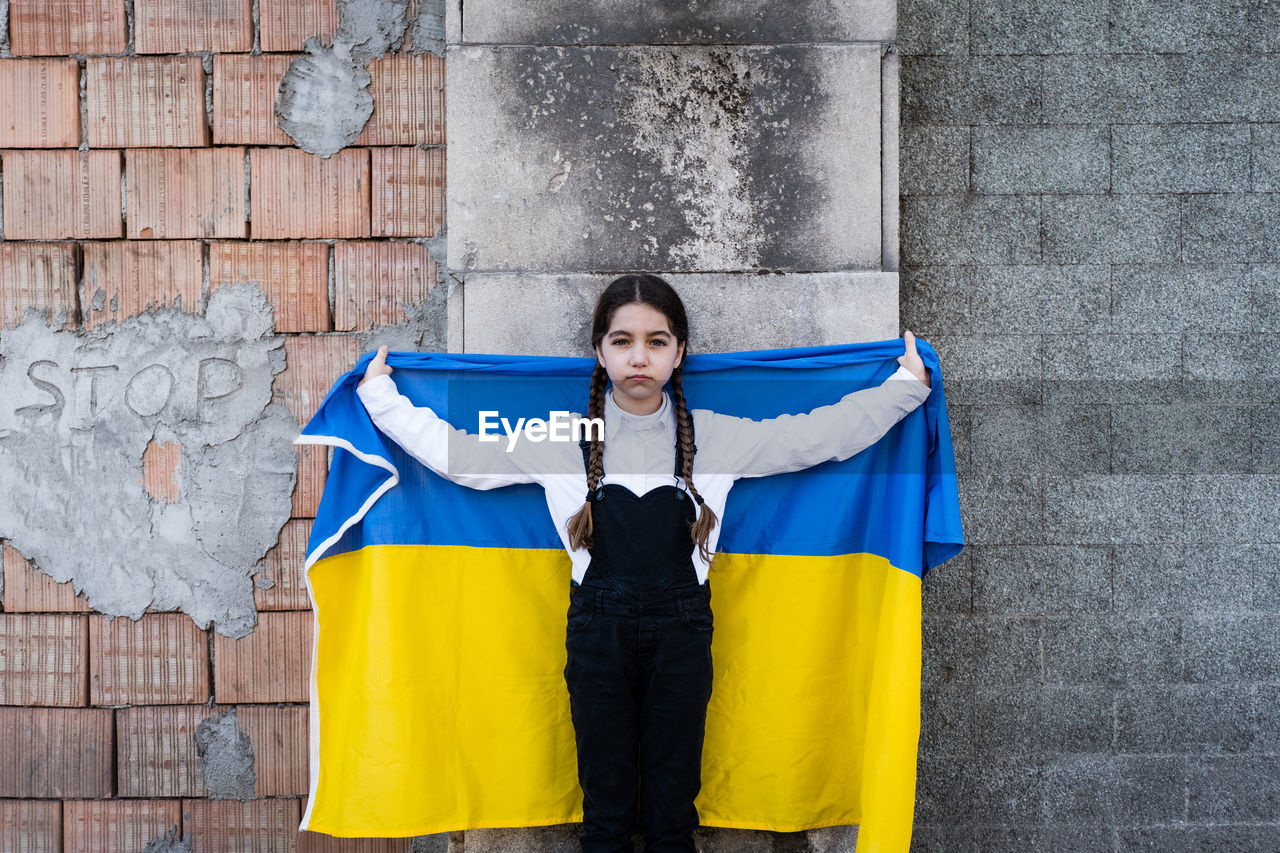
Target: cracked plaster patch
{"points": [[323, 101], [79, 409]]}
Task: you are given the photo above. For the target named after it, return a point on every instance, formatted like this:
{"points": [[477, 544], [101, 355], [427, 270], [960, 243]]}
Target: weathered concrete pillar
{"points": [[745, 150]]}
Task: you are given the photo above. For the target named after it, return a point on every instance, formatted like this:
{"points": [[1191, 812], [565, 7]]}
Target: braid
{"points": [[707, 519], [580, 525]]}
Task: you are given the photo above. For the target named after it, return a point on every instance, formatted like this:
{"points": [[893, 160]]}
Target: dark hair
{"points": [[653, 291]]}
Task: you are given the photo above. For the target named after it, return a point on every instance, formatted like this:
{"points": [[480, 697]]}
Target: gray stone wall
{"points": [[1090, 226]]}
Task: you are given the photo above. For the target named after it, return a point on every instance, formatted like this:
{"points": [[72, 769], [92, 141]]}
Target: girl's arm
{"points": [[749, 448], [452, 453]]}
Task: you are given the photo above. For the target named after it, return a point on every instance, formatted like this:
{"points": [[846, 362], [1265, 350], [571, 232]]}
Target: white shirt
{"points": [[639, 450]]}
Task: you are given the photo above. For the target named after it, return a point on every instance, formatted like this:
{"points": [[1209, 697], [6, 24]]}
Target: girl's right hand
{"points": [[377, 367]]}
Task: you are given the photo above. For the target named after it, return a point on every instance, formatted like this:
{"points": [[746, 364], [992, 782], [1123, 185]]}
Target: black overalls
{"points": [[639, 671]]}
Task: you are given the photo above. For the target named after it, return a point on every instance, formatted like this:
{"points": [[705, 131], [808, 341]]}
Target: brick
{"points": [[157, 754], [1173, 718], [244, 99], [1230, 227], [1159, 89], [287, 24], [963, 90], [43, 659], [61, 27], [92, 826], [990, 651], [160, 474], [32, 826], [293, 276], [946, 723], [175, 193], [1180, 438], [39, 103], [1038, 27], [1041, 299], [41, 276], [408, 101], [1115, 650], [928, 27], [1264, 154], [280, 747], [146, 102], [255, 826], [408, 192], [1004, 509], [1042, 720], [991, 368], [162, 658], [295, 194], [1175, 297], [955, 789], [1056, 836], [950, 591], [180, 26], [1112, 789], [1180, 158], [27, 589], [1111, 229], [124, 279], [313, 470], [51, 195], [934, 160], [1183, 838], [1195, 26], [1064, 439], [283, 565], [375, 281], [971, 229], [1233, 508], [1232, 647], [1233, 789], [312, 364], [1259, 563], [1137, 508], [318, 842], [56, 752], [1049, 159], [1041, 579], [1123, 368], [1182, 578], [271, 664]]}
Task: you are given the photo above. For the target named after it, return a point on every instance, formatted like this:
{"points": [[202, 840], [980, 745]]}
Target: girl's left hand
{"points": [[911, 359]]}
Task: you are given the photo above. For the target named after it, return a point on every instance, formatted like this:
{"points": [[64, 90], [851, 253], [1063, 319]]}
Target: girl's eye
{"points": [[659, 342]]}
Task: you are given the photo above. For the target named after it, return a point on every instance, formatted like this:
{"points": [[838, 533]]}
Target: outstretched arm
{"points": [[452, 453], [750, 448]]}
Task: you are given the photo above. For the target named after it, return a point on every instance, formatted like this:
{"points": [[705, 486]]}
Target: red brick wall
{"points": [[131, 168]]}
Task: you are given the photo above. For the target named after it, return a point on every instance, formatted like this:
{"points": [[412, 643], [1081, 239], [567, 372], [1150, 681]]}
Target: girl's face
{"points": [[639, 352]]}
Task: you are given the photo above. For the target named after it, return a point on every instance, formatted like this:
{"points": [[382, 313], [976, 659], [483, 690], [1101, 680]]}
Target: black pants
{"points": [[639, 679]]}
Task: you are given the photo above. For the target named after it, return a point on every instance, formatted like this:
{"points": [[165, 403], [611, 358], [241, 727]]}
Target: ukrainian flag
{"points": [[438, 699]]}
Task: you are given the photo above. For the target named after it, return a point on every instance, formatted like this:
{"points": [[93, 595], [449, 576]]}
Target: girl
{"points": [[639, 624]]}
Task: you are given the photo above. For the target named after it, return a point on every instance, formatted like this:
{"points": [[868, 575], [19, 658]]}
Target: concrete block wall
{"points": [[1089, 240], [142, 171]]}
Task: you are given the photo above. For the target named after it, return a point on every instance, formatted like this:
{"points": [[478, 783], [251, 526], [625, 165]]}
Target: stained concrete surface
{"points": [[79, 411], [551, 314], [665, 158], [687, 22]]}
